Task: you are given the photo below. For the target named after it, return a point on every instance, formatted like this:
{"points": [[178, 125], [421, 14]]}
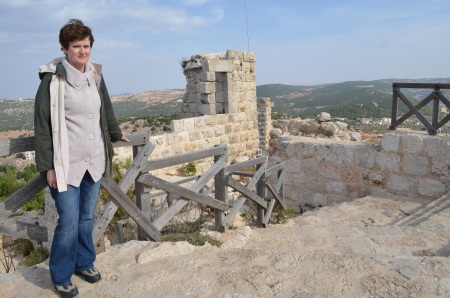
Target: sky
{"points": [[140, 43]]}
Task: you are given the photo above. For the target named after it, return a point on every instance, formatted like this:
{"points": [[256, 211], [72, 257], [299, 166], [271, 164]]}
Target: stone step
{"points": [[433, 211]]}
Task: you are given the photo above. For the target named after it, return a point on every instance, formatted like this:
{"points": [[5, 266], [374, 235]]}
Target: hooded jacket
{"points": [[50, 130]]}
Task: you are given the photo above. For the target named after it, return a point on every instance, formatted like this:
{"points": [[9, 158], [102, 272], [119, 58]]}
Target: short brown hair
{"points": [[74, 30]]}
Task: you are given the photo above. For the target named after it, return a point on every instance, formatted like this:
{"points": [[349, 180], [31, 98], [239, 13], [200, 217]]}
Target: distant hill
{"points": [[356, 99]]}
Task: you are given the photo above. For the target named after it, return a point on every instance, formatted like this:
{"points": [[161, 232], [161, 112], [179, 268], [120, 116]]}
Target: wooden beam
{"points": [[127, 180], [23, 230], [121, 198], [430, 128], [244, 165], [421, 85], [176, 207], [269, 211], [246, 192], [22, 195], [280, 180], [274, 169], [276, 195], [182, 192], [396, 122], [234, 211], [164, 162], [259, 173], [135, 139]]}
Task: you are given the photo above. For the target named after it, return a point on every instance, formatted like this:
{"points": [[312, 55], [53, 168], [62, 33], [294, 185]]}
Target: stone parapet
{"points": [[323, 171]]}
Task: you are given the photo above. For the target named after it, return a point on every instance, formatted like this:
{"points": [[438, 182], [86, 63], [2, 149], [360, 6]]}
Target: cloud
{"points": [[195, 2]]}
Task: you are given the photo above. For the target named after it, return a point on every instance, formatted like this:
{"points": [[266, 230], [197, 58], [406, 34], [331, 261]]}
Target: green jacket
{"points": [[47, 138]]}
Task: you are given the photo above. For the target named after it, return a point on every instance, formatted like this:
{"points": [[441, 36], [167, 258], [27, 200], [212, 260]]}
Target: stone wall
{"points": [[220, 107], [322, 171]]}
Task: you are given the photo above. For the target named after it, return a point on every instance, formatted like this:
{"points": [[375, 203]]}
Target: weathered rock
{"points": [[355, 136], [324, 117]]}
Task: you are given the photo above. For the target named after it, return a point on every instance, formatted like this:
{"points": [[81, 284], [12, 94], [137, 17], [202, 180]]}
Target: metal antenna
{"points": [[246, 20]]}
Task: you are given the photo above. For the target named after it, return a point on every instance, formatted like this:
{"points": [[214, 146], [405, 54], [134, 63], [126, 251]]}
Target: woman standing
{"points": [[74, 127]]}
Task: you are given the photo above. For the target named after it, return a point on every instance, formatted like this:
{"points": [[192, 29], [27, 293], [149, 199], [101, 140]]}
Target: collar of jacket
{"points": [[56, 67]]}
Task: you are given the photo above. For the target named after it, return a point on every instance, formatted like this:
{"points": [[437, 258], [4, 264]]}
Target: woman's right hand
{"points": [[51, 178]]}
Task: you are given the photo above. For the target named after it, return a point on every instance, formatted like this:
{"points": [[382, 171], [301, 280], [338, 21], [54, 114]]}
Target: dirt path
{"points": [[365, 248]]}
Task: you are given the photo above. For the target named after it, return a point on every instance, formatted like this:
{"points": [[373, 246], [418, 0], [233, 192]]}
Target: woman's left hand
{"points": [[125, 139]]}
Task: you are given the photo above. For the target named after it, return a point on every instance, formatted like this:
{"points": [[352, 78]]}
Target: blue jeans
{"points": [[72, 246]]}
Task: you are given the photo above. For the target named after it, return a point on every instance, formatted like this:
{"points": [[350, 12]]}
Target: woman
{"points": [[74, 127]]}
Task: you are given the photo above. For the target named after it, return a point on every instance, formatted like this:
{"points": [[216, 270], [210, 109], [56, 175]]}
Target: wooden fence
{"points": [[140, 173], [436, 96]]}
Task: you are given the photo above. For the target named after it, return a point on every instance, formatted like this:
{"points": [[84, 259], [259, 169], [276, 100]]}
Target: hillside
{"points": [[348, 99]]}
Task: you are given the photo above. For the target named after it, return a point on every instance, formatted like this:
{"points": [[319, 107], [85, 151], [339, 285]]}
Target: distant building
{"points": [[29, 155]]}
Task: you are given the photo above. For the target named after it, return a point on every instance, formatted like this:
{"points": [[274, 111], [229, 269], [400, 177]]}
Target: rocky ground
{"points": [[377, 246]]}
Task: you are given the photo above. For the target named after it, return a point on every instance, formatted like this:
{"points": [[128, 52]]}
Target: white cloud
{"points": [[107, 44], [195, 2]]}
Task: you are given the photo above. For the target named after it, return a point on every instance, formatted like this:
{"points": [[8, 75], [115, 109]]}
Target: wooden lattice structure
{"points": [[140, 173]]}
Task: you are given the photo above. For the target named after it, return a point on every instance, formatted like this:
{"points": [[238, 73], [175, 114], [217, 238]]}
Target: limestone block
{"points": [[273, 143], [305, 150], [329, 170], [239, 75], [228, 129], [335, 187], [234, 138], [195, 135], [210, 120], [252, 145], [224, 140], [160, 140], [344, 154], [236, 127], [194, 98], [188, 124], [222, 119], [245, 126], [293, 166], [244, 136], [206, 87], [351, 174], [309, 166], [249, 56], [387, 161], [218, 65], [314, 184], [355, 136], [328, 129], [219, 130], [431, 188], [254, 134], [206, 76], [219, 108], [176, 125], [275, 133], [441, 166], [373, 177], [199, 122], [365, 156], [400, 183], [234, 55], [412, 143], [437, 146], [341, 125], [166, 151], [246, 66], [233, 107], [238, 86], [193, 64], [178, 149], [208, 132], [318, 200], [415, 165], [251, 77], [208, 98], [324, 117], [390, 142], [191, 146], [207, 109], [325, 153]]}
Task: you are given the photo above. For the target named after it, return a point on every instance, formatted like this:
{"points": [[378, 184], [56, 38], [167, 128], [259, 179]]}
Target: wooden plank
{"points": [[443, 121], [276, 195], [121, 198], [430, 128], [211, 173], [110, 208], [220, 193], [280, 180], [269, 211], [173, 210], [259, 173], [275, 168], [164, 162], [135, 139], [246, 192], [22, 195], [182, 192], [234, 211], [12, 146], [421, 85], [244, 165], [444, 99], [242, 174], [23, 230], [261, 192], [396, 122], [161, 193]]}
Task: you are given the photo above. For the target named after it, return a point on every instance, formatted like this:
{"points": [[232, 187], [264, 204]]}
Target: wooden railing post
{"points": [[220, 193], [143, 205], [260, 191]]}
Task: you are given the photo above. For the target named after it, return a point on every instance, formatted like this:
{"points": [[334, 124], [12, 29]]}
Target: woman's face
{"points": [[78, 53]]}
